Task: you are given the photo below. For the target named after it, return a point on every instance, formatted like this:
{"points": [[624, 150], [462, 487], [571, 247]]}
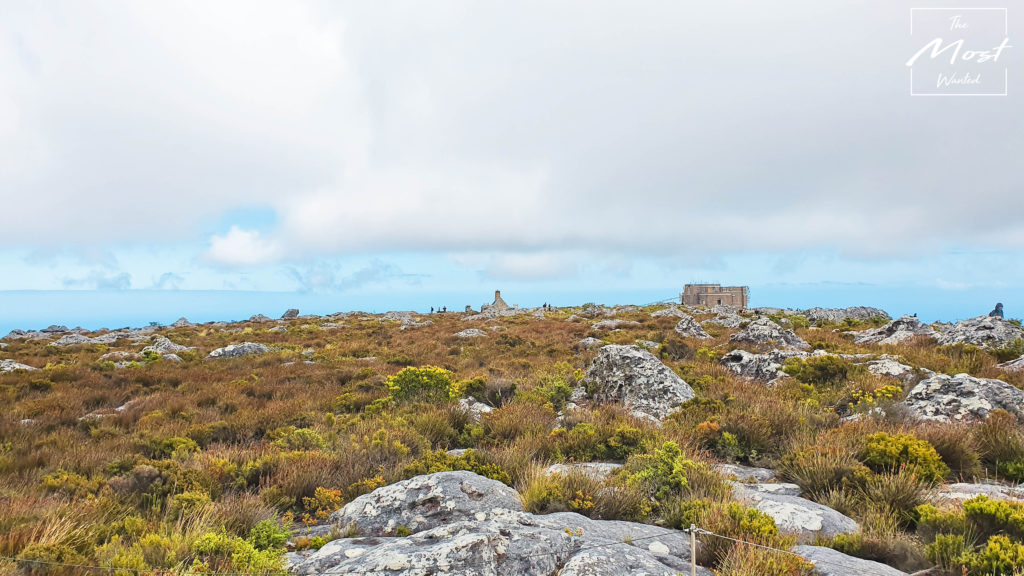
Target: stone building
{"points": [[715, 295]]}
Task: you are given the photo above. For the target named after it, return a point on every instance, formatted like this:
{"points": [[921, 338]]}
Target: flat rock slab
{"points": [[805, 519], [983, 331], [687, 327], [595, 470], [239, 350], [764, 332], [894, 332], [463, 523], [11, 366], [829, 562], [745, 473]]}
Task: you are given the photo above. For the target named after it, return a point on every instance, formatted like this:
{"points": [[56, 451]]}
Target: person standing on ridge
{"points": [[998, 312]]}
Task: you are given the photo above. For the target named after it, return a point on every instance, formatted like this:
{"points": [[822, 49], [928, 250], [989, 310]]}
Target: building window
{"points": [[719, 301]]}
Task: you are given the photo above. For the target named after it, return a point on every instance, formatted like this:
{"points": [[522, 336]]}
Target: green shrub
{"points": [[554, 391], [269, 535], [441, 461], [1000, 557], [292, 438], [824, 371], [221, 552], [946, 550], [995, 516], [176, 447], [666, 472], [427, 384], [886, 453], [818, 470], [578, 492], [1011, 351]]}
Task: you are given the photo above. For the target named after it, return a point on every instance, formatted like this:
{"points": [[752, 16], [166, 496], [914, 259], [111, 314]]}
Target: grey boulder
{"points": [[589, 342], [290, 313], [471, 333], [642, 383], [837, 315], [239, 350], [965, 491], [763, 331], [163, 345], [1017, 364], [829, 562], [614, 324], [963, 398], [668, 311]]}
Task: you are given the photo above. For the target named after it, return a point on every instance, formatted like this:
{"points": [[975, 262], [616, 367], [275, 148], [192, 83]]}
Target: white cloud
{"points": [[99, 280], [242, 248]]}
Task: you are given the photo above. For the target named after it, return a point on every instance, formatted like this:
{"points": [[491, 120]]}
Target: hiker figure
{"points": [[431, 309], [998, 312], [446, 309]]}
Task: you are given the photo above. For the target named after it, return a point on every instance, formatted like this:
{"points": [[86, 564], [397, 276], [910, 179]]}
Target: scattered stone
{"points": [[591, 310], [239, 350], [11, 366], [182, 323], [689, 328], [163, 345], [648, 388], [595, 470], [55, 329], [120, 356], [589, 342], [649, 344], [614, 324], [963, 398], [984, 331], [779, 488], [745, 473], [172, 358], [837, 315], [829, 562], [471, 333], [765, 332], [805, 519], [895, 332], [260, 318], [290, 313], [282, 329]]}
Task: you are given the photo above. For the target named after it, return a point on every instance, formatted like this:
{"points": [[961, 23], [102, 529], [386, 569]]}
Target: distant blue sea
{"points": [[116, 309]]}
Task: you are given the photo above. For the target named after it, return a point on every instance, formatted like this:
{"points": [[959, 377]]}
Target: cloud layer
{"points": [[523, 130]]}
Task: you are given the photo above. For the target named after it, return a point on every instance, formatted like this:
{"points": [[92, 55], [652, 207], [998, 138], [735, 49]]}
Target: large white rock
{"points": [[11, 366], [163, 345], [965, 491], [837, 315], [636, 378], [1017, 364], [963, 398]]}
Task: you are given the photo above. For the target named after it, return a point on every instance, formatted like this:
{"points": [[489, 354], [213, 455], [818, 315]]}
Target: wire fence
{"points": [[459, 566]]}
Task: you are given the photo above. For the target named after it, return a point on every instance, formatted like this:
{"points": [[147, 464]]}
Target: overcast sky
{"points": [[382, 147]]}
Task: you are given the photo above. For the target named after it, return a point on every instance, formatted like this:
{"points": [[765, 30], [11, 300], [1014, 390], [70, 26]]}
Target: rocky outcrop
{"points": [[829, 562], [181, 323], [260, 318], [983, 331], [471, 333], [688, 327], [801, 517], [239, 350], [837, 315], [11, 366], [476, 410], [163, 345], [895, 332], [461, 523], [634, 377], [963, 398], [765, 367], [290, 313], [594, 311], [764, 332]]}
